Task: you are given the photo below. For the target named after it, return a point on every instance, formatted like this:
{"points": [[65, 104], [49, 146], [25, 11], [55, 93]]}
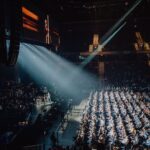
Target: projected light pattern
{"points": [[27, 26], [30, 14], [47, 68], [30, 20]]}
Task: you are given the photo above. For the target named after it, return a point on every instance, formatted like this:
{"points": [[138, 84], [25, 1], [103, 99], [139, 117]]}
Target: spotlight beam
{"points": [[115, 26], [63, 64], [105, 39], [90, 57], [45, 67]]}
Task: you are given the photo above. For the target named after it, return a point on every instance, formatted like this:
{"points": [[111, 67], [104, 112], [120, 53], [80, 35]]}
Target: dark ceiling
{"points": [[88, 10], [78, 20]]}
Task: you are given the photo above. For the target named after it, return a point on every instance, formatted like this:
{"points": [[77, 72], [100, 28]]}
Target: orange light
{"points": [[56, 33], [30, 27], [95, 40], [29, 13], [29, 22]]}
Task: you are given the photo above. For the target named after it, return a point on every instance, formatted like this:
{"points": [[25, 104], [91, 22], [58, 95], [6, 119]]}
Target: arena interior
{"points": [[75, 75]]}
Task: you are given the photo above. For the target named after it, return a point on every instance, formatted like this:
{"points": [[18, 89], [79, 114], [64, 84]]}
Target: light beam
{"points": [[110, 34], [47, 68], [90, 57]]}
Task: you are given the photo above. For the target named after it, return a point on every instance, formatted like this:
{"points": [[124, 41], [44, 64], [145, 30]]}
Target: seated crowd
{"points": [[16, 104], [131, 75], [115, 119]]}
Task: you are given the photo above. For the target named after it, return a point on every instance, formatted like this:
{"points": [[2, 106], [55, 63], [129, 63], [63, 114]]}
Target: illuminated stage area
{"points": [[74, 75]]}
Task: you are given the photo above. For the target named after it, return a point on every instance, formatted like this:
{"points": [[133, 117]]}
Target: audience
{"points": [[117, 118], [16, 105]]}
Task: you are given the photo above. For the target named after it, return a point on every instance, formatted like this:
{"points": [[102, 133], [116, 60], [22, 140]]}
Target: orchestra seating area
{"points": [[115, 118]]}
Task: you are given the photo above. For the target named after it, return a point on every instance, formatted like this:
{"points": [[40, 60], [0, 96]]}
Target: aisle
{"points": [[65, 138], [74, 118]]}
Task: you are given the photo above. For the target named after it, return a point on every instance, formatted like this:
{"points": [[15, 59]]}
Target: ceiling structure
{"points": [[89, 10], [79, 19]]}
